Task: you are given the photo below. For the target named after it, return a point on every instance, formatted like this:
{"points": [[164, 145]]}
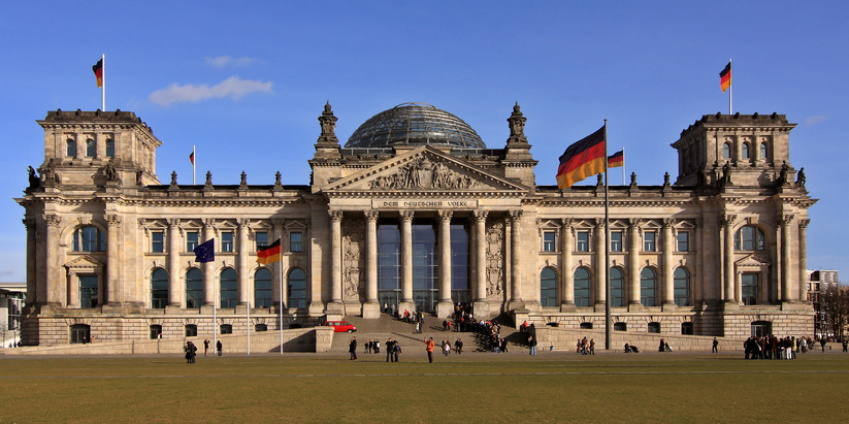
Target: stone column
{"points": [[516, 303], [371, 309], [803, 258], [32, 296], [113, 262], [209, 289], [667, 272], [406, 262], [175, 289], [567, 279], [445, 306], [600, 277], [53, 286], [727, 223], [335, 306], [242, 256], [481, 307], [634, 264], [786, 259]]}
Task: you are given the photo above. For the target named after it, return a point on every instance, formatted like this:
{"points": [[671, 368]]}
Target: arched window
{"points": [[71, 148], [110, 148], [653, 327], [617, 287], [648, 287], [194, 288], [229, 288], [744, 150], [191, 330], [155, 331], [262, 288], [90, 148], [726, 151], [89, 239], [582, 287], [159, 289], [749, 238], [682, 287], [297, 289], [763, 152], [548, 287]]}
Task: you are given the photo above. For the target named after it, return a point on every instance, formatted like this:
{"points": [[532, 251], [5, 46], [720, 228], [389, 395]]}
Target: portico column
{"points": [[32, 297], [113, 261], [51, 287], [634, 264], [600, 279], [208, 268], [666, 264], [803, 258], [244, 289], [566, 277], [481, 307], [516, 302], [335, 260], [175, 289], [407, 262], [727, 223], [371, 309], [445, 306], [786, 262]]}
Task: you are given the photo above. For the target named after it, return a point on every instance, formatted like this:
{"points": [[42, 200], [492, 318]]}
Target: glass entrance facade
{"points": [[425, 266], [388, 263]]}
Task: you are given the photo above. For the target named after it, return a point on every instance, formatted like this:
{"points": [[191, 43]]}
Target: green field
{"points": [[475, 388]]}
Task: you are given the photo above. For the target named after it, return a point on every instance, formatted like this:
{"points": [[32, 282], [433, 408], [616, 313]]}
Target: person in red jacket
{"points": [[429, 344]]}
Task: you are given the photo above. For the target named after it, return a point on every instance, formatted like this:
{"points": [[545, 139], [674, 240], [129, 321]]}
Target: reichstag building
{"points": [[417, 212]]}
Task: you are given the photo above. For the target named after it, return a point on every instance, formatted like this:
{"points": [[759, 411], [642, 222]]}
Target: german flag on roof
{"points": [[581, 160]]}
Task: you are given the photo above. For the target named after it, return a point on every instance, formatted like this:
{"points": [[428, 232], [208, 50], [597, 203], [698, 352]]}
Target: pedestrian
{"points": [[845, 345], [532, 342], [715, 346], [205, 346], [220, 348], [592, 347], [377, 346], [396, 350], [389, 346], [352, 348], [822, 343], [429, 346]]}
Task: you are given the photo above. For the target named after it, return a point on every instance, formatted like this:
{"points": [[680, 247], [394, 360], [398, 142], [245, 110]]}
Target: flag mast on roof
{"points": [[98, 69]]}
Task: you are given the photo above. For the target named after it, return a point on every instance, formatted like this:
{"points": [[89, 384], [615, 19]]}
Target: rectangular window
{"points": [[548, 241], [157, 239], [295, 242], [649, 241], [227, 241], [583, 241], [749, 283], [191, 241], [683, 241], [110, 148], [261, 239], [616, 241], [88, 291]]}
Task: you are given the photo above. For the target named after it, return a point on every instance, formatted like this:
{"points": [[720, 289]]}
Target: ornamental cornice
{"points": [[421, 194], [599, 202]]}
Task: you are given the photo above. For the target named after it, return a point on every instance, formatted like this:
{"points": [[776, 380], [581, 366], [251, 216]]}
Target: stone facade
{"points": [[721, 251]]}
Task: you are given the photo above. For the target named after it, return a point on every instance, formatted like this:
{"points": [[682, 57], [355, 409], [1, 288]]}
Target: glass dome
{"points": [[414, 124]]}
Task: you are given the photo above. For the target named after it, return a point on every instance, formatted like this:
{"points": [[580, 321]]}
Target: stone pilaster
{"points": [[113, 261], [667, 269], [242, 257], [786, 260], [803, 258], [730, 290], [516, 303], [407, 262], [209, 289], [52, 287], [32, 297], [175, 289], [335, 305], [371, 309], [481, 306], [634, 265], [445, 306], [600, 277], [567, 279]]}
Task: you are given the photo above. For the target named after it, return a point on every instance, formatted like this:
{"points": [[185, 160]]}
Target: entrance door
{"points": [[425, 267], [761, 328]]}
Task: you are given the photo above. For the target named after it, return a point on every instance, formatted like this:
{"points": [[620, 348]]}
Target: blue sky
{"points": [[245, 82]]}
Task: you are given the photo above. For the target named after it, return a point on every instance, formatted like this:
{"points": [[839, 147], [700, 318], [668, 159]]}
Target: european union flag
{"points": [[205, 252]]}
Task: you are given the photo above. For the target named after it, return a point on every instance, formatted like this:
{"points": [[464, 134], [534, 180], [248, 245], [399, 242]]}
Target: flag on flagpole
{"points": [[725, 77], [205, 252], [192, 158], [98, 72], [582, 159], [270, 254], [616, 160]]}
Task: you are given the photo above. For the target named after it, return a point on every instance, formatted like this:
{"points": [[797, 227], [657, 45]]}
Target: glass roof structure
{"points": [[414, 124]]}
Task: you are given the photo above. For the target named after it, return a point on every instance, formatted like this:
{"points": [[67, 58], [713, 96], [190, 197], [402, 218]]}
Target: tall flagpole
{"points": [[623, 165], [103, 83], [607, 317], [214, 320], [248, 325], [730, 89], [280, 300], [194, 168]]}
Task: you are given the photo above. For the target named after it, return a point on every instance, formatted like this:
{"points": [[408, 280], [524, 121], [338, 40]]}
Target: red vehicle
{"points": [[341, 326]]}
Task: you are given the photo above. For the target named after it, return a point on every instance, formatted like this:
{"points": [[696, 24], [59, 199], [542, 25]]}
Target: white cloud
{"points": [[233, 87], [222, 61], [816, 119]]}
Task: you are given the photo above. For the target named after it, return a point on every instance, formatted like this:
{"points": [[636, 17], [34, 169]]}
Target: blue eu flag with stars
{"points": [[205, 252]]}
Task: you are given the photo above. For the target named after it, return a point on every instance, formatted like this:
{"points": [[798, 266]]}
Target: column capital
{"points": [[567, 222], [407, 215], [113, 220], [335, 215], [28, 222], [803, 223], [668, 222], [481, 214], [52, 220], [634, 222], [173, 222], [516, 215], [786, 219], [371, 215], [727, 220], [445, 215], [599, 222]]}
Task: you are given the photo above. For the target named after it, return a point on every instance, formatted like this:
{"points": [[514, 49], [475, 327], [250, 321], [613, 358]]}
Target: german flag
{"points": [[616, 160], [582, 159], [98, 72], [725, 77], [269, 254]]}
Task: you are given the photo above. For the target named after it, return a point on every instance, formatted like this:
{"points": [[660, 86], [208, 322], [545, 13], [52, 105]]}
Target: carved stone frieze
{"points": [[495, 259], [353, 279], [424, 173]]}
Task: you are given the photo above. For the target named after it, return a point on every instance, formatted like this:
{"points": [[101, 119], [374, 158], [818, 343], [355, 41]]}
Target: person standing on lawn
{"points": [[429, 346]]}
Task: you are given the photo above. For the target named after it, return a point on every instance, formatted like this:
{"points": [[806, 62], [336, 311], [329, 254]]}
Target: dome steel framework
{"points": [[414, 124]]}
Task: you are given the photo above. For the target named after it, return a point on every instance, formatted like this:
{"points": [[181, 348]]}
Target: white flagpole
{"points": [[623, 165], [280, 300], [607, 315], [194, 167], [730, 88], [214, 320], [103, 83], [248, 326]]}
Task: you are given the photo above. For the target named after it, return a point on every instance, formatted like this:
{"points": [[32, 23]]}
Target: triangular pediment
{"points": [[84, 263], [424, 170], [752, 261]]}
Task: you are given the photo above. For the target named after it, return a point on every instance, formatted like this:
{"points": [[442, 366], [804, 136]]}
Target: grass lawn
{"points": [[475, 388]]}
